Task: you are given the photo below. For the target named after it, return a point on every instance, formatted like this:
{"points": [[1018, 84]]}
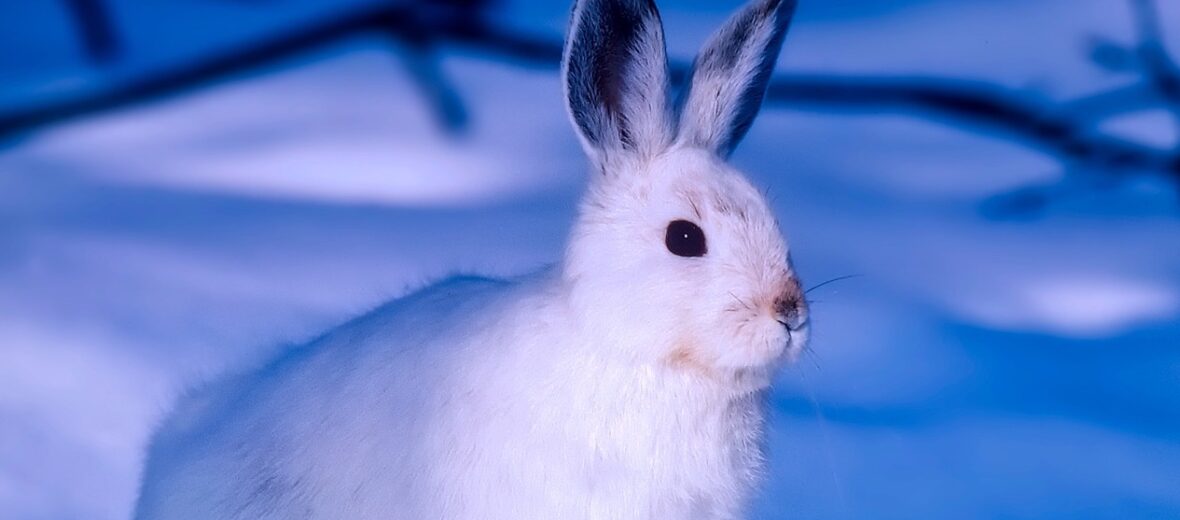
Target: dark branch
{"points": [[96, 27], [1160, 67], [1161, 71], [420, 60], [399, 22], [1055, 130]]}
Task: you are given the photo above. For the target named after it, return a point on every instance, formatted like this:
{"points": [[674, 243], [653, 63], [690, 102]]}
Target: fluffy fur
{"points": [[625, 383]]}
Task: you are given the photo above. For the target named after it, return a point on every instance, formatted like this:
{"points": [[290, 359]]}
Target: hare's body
{"points": [[627, 383], [389, 418]]}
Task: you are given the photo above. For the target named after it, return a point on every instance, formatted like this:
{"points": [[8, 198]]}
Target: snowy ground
{"points": [[975, 369]]}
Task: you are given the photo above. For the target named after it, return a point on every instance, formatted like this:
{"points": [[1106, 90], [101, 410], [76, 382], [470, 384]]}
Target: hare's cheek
{"points": [[796, 342], [778, 340], [753, 343], [772, 344], [687, 357]]}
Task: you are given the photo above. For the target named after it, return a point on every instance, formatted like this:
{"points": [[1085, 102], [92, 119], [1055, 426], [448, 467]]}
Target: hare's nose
{"points": [[790, 312]]}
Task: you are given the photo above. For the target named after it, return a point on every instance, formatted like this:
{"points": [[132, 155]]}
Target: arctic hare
{"points": [[627, 382]]}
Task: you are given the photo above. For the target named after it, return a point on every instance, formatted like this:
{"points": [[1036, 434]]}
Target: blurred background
{"points": [[186, 186]]}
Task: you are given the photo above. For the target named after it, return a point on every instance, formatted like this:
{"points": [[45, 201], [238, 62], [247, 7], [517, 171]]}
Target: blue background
{"points": [[1025, 365]]}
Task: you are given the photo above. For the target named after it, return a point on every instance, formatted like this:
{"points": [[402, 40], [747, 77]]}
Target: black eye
{"points": [[685, 239]]}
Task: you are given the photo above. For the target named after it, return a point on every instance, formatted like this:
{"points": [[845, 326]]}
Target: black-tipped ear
{"points": [[731, 74], [616, 76]]}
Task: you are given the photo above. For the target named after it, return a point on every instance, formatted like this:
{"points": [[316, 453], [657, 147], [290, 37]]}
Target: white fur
{"points": [[625, 383]]}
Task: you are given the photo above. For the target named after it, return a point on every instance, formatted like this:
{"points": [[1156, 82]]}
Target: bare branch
{"points": [[96, 27], [981, 105], [1112, 56], [1159, 68], [1058, 130], [1127, 99], [401, 21], [420, 59]]}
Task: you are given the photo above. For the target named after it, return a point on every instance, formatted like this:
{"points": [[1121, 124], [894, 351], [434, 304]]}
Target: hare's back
{"points": [[286, 437]]}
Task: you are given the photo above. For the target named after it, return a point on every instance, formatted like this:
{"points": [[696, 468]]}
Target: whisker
{"points": [[740, 301], [813, 356], [841, 494], [833, 280]]}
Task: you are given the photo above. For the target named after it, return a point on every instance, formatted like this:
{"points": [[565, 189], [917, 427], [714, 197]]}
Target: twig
{"points": [[1160, 70], [97, 29]]}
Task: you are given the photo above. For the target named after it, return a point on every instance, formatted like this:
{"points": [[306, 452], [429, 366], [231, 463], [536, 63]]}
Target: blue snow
{"points": [[974, 367]]}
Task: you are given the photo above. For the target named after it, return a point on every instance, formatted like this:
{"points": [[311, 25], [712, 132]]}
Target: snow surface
{"points": [[975, 368]]}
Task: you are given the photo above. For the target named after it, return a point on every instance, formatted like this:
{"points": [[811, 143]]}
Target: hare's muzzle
{"points": [[791, 310]]}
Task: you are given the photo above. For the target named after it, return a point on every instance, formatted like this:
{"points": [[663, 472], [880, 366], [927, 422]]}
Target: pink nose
{"points": [[790, 308], [790, 312]]}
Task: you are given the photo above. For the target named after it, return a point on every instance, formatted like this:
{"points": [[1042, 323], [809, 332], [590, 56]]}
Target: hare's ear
{"points": [[616, 77], [730, 76]]}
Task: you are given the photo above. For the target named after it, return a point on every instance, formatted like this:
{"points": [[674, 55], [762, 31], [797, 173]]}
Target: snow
{"points": [[975, 368]]}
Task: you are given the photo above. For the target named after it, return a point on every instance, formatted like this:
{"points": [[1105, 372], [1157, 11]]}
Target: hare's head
{"points": [[675, 255]]}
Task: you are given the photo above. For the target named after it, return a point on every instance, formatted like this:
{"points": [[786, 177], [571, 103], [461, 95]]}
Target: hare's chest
{"points": [[612, 446], [696, 467]]}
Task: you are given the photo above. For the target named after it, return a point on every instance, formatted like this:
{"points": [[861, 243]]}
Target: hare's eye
{"points": [[685, 239]]}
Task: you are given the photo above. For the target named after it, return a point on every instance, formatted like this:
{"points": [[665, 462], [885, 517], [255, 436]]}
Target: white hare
{"points": [[625, 383]]}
